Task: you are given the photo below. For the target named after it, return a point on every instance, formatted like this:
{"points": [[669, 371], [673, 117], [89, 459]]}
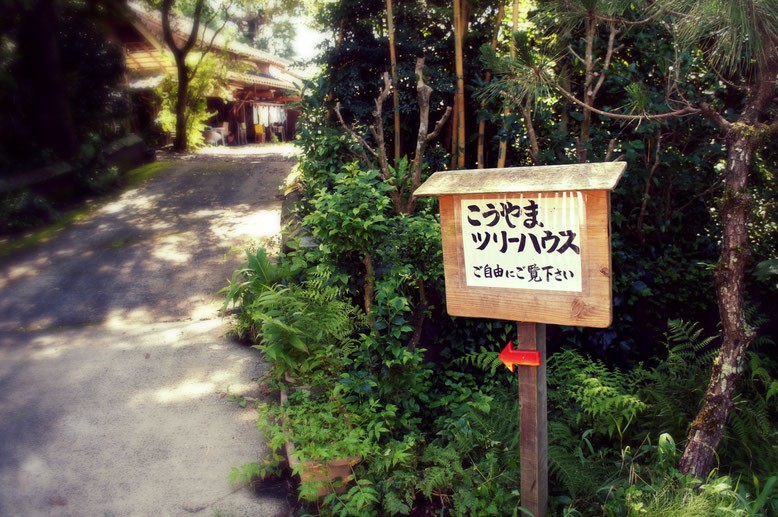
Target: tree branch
{"points": [[533, 137], [708, 190], [192, 39], [213, 38], [608, 55], [647, 190], [439, 126], [611, 148], [167, 33], [573, 52], [707, 111], [627, 22], [361, 140], [424, 92], [378, 131]]}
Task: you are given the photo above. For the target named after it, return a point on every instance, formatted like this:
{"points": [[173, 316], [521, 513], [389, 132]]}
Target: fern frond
{"points": [[484, 359], [393, 505]]}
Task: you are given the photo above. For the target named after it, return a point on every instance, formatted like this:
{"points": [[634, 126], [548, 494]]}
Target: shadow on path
{"points": [[155, 254]]}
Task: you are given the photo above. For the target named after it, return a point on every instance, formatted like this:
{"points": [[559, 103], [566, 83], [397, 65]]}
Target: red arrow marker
{"points": [[511, 357]]}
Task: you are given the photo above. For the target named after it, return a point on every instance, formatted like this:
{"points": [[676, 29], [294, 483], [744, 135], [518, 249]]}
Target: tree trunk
{"points": [[742, 139], [180, 144], [590, 28], [419, 315], [395, 92], [503, 152], [367, 261], [708, 427], [180, 53], [481, 160], [534, 150], [455, 132], [460, 92], [50, 120]]}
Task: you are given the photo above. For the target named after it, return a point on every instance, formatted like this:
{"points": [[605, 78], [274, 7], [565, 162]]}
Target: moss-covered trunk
{"points": [[708, 427], [742, 139]]}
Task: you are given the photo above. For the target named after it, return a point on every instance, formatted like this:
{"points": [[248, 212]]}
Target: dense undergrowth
{"points": [[426, 406], [434, 420]]}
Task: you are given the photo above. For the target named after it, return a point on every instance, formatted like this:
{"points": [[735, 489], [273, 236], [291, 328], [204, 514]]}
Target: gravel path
{"points": [[114, 361]]}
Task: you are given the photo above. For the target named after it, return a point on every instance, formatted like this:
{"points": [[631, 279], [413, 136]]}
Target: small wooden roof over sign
{"points": [[549, 178]]}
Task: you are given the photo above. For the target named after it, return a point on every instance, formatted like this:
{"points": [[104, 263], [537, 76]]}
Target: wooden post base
{"points": [[533, 423]]}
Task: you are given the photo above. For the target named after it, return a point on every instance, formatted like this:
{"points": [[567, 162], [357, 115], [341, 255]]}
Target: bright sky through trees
{"points": [[306, 40]]}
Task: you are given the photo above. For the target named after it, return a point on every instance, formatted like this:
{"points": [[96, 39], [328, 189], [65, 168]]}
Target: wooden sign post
{"points": [[532, 245]]}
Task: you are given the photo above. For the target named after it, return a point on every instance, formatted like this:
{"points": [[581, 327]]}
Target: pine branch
{"points": [[689, 110]]}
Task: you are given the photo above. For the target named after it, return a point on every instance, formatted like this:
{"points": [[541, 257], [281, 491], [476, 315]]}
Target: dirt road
{"points": [[113, 358]]}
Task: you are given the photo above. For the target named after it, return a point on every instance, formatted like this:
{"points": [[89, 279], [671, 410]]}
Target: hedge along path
{"points": [[113, 357]]}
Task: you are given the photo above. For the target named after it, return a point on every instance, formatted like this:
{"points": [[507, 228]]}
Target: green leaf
{"points": [[296, 342]]}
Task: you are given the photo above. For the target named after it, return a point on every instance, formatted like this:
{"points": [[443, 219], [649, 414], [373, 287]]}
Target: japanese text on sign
{"points": [[524, 242]]}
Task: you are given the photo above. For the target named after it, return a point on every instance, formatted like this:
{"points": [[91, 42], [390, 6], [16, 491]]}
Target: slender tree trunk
{"points": [[419, 315], [367, 261], [340, 35], [503, 152], [708, 427], [534, 150], [460, 93], [424, 136], [480, 160], [455, 132], [395, 92], [180, 144], [590, 29]]}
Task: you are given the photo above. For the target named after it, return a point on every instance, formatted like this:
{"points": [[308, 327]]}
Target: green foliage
{"points": [[529, 74], [22, 209], [304, 330], [352, 216], [254, 471], [606, 396], [321, 428], [487, 360], [735, 35], [93, 68], [254, 277]]}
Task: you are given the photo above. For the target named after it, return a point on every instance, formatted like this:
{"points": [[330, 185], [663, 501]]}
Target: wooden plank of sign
{"points": [[533, 421], [589, 308], [547, 178]]}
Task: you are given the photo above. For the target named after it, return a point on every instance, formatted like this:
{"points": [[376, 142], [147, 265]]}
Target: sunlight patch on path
{"points": [[286, 150]]}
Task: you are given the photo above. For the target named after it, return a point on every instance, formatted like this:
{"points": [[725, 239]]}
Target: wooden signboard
{"points": [[528, 243]]}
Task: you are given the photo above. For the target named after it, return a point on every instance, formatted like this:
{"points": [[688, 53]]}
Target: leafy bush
{"points": [[251, 279], [303, 330]]}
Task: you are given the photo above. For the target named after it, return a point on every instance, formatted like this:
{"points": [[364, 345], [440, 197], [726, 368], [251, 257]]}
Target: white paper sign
{"points": [[524, 242]]}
